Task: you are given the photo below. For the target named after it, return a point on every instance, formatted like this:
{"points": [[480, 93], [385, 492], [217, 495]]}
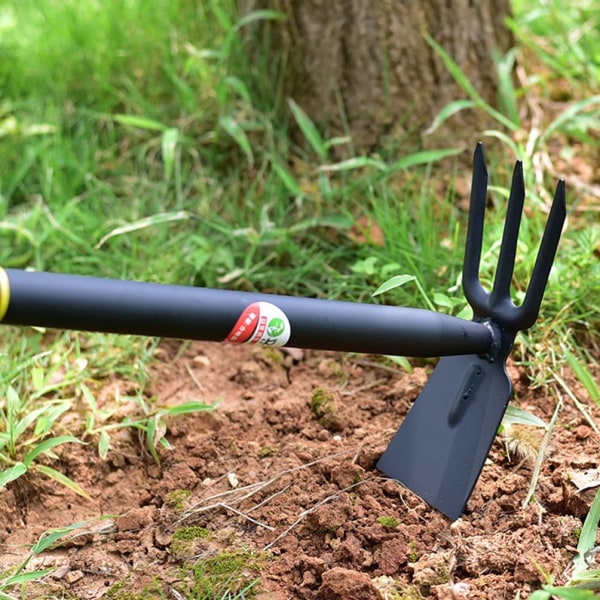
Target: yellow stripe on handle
{"points": [[4, 293]]}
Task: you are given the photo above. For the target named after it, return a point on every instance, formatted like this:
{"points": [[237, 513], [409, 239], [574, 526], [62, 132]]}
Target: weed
{"points": [[389, 522]]}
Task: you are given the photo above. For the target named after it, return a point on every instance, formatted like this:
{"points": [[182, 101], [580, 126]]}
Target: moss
{"points": [[388, 522], [176, 498], [391, 589], [413, 553], [323, 405], [267, 451], [231, 572], [182, 543], [121, 591], [191, 533]]}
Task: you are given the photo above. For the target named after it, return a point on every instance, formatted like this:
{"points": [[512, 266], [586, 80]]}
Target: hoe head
{"points": [[441, 446]]}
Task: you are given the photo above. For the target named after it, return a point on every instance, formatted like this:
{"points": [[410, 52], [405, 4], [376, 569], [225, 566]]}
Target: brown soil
{"points": [[266, 472]]}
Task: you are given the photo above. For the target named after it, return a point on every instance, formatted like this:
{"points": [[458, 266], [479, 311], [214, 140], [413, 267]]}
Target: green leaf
{"points": [[48, 444], [309, 130], [12, 473], [394, 282], [62, 479], [140, 122], [234, 129]]}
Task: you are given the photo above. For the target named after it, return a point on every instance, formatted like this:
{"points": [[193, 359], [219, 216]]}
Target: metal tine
{"points": [[527, 313], [474, 292], [500, 296]]}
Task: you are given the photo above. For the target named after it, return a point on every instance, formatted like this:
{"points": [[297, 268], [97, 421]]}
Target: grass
{"points": [[146, 145]]}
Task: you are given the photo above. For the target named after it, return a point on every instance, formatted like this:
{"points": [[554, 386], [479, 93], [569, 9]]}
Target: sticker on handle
{"points": [[261, 323]]}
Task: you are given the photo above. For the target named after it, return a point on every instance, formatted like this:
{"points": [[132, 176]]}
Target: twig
{"points": [[578, 404], [310, 510], [362, 388], [252, 489], [241, 514], [194, 378], [542, 454]]}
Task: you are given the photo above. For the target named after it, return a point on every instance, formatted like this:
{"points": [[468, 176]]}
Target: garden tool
{"points": [[440, 449], [441, 446]]}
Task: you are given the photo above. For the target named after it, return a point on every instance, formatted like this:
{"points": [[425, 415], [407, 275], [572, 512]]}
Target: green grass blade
{"points": [[587, 539], [570, 593], [47, 445], [236, 132], [168, 144], [188, 407], [12, 473], [261, 15], [49, 538], [574, 110], [62, 479], [157, 219], [359, 162], [103, 445], [584, 376], [451, 109], [467, 86], [287, 179], [425, 157], [24, 578], [309, 130], [394, 282], [506, 90], [140, 122]]}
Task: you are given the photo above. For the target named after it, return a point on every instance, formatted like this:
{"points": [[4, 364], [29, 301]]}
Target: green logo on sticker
{"points": [[275, 327]]}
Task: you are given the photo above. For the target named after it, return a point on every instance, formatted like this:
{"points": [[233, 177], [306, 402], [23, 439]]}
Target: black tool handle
{"points": [[108, 305]]}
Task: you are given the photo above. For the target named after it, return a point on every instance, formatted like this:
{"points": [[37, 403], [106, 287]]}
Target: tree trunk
{"points": [[365, 64]]}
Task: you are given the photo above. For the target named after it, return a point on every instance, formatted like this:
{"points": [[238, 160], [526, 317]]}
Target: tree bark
{"points": [[364, 65]]}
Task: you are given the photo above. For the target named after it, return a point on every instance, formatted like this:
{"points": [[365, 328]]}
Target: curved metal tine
{"points": [[477, 297], [527, 313], [500, 300]]}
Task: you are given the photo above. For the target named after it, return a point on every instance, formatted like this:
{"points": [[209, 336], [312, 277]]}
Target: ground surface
{"points": [[265, 473]]}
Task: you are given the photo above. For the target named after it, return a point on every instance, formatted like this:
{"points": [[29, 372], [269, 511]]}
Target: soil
{"points": [[289, 487]]}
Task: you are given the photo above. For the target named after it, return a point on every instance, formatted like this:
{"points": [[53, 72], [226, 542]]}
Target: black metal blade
{"points": [[442, 445]]}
